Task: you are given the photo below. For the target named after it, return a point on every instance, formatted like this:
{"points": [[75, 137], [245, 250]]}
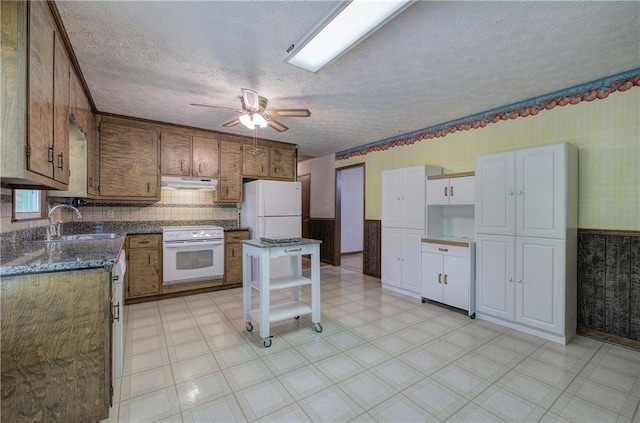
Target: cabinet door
{"points": [[206, 152], [456, 282], [438, 192], [391, 198], [282, 162], [462, 190], [411, 259], [233, 263], [540, 283], [230, 185], [540, 192], [495, 197], [122, 172], [92, 156], [432, 277], [255, 160], [61, 85], [144, 272], [495, 270], [391, 252], [41, 70], [413, 198], [175, 154]]}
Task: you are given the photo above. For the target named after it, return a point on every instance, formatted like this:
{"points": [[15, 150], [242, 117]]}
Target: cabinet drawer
{"points": [[236, 236], [444, 249], [144, 241]]}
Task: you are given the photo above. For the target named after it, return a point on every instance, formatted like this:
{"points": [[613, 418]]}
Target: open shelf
{"points": [[283, 311], [283, 282]]}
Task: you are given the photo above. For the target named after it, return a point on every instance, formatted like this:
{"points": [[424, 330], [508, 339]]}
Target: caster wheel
{"points": [[266, 342], [424, 300], [473, 316], [249, 327], [318, 327], [297, 317]]}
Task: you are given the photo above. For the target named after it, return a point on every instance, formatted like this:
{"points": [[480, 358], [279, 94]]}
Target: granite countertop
{"points": [[42, 257], [262, 244]]}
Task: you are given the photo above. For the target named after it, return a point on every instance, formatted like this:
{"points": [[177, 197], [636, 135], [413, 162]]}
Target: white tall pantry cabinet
{"points": [[403, 226], [526, 240]]}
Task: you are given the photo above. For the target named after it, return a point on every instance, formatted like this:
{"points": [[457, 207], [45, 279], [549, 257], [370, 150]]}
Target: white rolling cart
{"points": [[265, 313]]}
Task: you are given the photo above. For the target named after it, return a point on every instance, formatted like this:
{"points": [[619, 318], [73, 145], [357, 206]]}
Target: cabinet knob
{"points": [[443, 249], [519, 280], [451, 191], [445, 191], [445, 278], [519, 192], [511, 280], [439, 277], [510, 193]]}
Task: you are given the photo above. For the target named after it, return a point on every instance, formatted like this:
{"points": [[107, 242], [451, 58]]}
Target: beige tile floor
{"points": [[381, 357]]}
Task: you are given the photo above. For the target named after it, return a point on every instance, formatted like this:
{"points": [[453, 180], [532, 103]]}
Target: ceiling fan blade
{"points": [[290, 112], [251, 99], [218, 107], [276, 125], [231, 123]]}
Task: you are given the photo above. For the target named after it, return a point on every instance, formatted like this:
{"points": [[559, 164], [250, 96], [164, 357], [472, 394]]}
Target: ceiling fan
{"points": [[254, 112]]}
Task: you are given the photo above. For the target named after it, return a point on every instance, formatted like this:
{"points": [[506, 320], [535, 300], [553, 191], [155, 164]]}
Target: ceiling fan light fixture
{"points": [[259, 121], [343, 28], [247, 121]]}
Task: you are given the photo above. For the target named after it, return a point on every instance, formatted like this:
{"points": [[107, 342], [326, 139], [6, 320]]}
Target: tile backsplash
{"points": [[174, 205]]}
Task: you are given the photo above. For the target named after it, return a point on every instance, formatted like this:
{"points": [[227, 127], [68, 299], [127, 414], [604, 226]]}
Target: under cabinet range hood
{"points": [[189, 183]]}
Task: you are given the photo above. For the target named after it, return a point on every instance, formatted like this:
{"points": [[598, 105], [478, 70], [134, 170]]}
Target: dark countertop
{"points": [[261, 244], [42, 257]]}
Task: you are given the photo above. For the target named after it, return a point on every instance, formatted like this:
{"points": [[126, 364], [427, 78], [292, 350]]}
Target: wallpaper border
{"points": [[590, 91]]}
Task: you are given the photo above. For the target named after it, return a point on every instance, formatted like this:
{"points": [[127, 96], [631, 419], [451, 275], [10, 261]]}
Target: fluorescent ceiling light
{"points": [[344, 27]]}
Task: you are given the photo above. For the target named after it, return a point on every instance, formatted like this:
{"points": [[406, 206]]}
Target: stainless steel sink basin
{"points": [[84, 237]]}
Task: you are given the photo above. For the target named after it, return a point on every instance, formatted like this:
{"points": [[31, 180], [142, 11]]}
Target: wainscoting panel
{"points": [[372, 251], [609, 282], [324, 230]]}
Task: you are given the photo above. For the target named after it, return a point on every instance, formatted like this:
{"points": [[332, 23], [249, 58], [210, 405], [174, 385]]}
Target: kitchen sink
{"points": [[84, 237]]}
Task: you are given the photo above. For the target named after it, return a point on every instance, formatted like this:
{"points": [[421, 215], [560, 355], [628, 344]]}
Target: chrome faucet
{"points": [[54, 230]]}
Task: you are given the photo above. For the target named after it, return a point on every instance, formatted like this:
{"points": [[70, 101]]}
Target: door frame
{"points": [[338, 210], [308, 205]]}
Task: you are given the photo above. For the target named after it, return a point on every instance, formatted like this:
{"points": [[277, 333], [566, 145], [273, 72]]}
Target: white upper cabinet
{"points": [[495, 194], [523, 193], [403, 196], [450, 191]]}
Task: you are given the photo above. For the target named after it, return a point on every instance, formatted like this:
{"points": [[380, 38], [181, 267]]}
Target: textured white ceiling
{"points": [[435, 62]]}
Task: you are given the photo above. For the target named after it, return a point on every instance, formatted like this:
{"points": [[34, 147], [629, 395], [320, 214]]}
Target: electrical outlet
{"points": [[110, 214]]}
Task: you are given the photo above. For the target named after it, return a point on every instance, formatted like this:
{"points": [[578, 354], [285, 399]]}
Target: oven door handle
{"points": [[192, 244]]}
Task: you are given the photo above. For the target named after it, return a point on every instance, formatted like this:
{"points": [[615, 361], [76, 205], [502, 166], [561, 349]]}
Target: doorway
{"points": [[305, 181], [350, 203]]}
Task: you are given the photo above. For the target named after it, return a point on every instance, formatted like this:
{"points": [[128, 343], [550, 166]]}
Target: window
{"points": [[28, 204]]}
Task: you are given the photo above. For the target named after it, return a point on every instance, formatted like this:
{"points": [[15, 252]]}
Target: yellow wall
{"points": [[607, 133]]}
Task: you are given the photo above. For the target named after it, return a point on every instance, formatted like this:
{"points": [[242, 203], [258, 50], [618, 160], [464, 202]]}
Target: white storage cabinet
{"points": [[526, 236], [403, 226], [448, 273], [451, 190]]}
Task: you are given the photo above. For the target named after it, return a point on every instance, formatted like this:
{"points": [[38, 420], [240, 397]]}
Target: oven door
{"points": [[192, 261]]}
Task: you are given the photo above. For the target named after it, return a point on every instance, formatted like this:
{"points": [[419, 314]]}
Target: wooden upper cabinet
{"points": [[129, 159], [282, 161], [40, 94], [205, 157], [255, 159], [175, 154], [230, 184], [61, 85]]}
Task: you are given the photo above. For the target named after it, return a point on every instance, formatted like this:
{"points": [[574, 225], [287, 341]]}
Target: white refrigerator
{"points": [[272, 209]]}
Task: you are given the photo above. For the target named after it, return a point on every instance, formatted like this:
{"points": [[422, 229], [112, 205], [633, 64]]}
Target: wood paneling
{"points": [[372, 249], [609, 283], [55, 347], [324, 230]]}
